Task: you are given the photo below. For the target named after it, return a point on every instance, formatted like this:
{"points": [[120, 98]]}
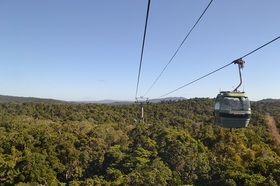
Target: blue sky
{"points": [[90, 50]]}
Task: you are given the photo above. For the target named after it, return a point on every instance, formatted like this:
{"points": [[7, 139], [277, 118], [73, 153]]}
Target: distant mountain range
{"points": [[4, 98], [129, 102]]}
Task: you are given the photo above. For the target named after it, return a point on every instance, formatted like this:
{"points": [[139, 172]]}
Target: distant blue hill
{"points": [[128, 102], [5, 98]]}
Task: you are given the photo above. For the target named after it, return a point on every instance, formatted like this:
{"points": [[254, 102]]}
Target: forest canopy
{"points": [[59, 143]]}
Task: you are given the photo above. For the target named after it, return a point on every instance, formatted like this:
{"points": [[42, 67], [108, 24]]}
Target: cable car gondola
{"points": [[232, 108]]}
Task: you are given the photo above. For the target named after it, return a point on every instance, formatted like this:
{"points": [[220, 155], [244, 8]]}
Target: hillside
{"points": [[4, 98], [269, 100], [98, 144]]}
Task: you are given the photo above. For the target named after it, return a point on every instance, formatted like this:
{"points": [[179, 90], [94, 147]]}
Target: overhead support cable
{"points": [[195, 80], [143, 45], [179, 47], [260, 47], [233, 62]]}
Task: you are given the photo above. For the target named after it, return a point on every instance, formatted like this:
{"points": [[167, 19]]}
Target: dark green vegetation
{"points": [[90, 144]]}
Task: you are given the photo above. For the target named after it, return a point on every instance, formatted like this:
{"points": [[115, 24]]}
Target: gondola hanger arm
{"points": [[240, 63]]}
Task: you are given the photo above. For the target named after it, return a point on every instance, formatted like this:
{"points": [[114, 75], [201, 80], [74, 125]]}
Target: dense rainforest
{"points": [[100, 144]]}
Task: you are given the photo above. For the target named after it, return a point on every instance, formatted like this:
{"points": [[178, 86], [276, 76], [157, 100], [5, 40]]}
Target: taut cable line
{"points": [[143, 45], [179, 47], [233, 62]]}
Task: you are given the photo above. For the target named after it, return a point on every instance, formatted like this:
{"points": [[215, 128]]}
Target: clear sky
{"points": [[90, 50]]}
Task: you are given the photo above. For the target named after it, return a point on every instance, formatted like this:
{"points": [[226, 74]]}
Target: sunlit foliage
{"points": [[95, 144]]}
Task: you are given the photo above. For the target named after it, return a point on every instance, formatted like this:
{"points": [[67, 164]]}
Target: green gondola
{"points": [[232, 110]]}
